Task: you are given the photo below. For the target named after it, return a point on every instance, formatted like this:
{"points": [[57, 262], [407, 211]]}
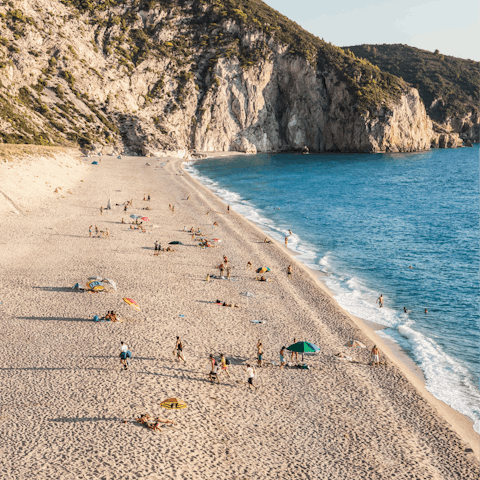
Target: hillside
{"points": [[449, 86], [180, 75]]}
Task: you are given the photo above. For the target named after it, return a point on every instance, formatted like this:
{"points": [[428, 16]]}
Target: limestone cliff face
{"points": [[66, 78]]}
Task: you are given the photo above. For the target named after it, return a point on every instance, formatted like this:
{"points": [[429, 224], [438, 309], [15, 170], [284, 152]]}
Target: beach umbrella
{"points": [[303, 347], [145, 219], [135, 216], [263, 270], [175, 243], [173, 404], [132, 303], [96, 285]]}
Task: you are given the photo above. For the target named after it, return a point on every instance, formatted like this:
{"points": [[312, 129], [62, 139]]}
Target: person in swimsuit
{"points": [[259, 353], [380, 301], [294, 353], [214, 370], [90, 230], [179, 350], [223, 364], [282, 357], [286, 241], [289, 271], [376, 355]]}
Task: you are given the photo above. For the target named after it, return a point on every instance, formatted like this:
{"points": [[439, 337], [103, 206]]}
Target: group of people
{"points": [[98, 233], [381, 303]]}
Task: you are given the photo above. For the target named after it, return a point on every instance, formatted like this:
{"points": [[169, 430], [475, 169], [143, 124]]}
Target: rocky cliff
{"points": [[449, 86], [175, 76]]}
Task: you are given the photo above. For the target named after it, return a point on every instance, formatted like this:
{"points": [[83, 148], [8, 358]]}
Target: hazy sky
{"points": [[452, 27]]}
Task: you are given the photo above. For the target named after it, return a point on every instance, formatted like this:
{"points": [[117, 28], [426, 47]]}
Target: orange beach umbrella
{"points": [[132, 303]]}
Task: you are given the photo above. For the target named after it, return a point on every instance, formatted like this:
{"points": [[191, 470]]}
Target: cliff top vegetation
{"points": [[449, 86]]}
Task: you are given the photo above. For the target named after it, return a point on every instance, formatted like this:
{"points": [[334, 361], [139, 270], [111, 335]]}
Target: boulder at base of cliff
{"points": [[245, 146]]}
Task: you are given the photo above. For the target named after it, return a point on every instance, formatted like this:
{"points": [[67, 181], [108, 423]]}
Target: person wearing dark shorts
{"points": [[251, 375], [259, 353]]}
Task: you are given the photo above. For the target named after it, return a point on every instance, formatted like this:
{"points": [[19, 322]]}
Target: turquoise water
{"points": [[364, 220]]}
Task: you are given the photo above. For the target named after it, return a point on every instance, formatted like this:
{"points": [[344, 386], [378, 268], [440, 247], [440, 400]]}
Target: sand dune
{"points": [[68, 408]]}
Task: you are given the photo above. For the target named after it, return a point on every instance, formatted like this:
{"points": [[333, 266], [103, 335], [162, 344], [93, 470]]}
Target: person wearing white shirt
{"points": [[251, 375]]}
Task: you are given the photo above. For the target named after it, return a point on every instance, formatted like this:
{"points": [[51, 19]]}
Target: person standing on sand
{"points": [[289, 272], [259, 353], [249, 265], [294, 353], [376, 355], [228, 273], [96, 230], [221, 268], [90, 230], [213, 370], [286, 241], [148, 198], [179, 350], [107, 233], [380, 301], [251, 375], [173, 209], [282, 357], [228, 208], [101, 211]]}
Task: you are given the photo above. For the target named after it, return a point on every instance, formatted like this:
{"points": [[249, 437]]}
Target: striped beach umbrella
{"points": [[132, 303]]}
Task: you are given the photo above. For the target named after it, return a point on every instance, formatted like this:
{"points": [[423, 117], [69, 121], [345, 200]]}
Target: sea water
{"points": [[364, 220]]}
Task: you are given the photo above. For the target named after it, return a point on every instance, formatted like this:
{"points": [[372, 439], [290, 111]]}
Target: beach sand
{"points": [[68, 409]]}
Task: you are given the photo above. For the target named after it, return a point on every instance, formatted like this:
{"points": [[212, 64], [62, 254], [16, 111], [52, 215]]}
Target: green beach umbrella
{"points": [[303, 347]]}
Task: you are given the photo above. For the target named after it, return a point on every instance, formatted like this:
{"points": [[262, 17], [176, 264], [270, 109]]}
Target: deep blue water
{"points": [[364, 220]]}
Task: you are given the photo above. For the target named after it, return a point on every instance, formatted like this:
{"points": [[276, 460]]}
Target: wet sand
{"points": [[68, 408]]}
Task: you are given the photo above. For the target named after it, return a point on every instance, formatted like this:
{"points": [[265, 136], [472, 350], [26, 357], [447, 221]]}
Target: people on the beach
{"points": [[263, 279], [123, 221], [267, 240], [125, 356], [251, 375], [224, 365], [125, 208], [289, 271], [173, 209], [178, 350], [404, 309], [294, 353], [376, 355], [286, 241], [228, 273], [101, 210], [249, 265], [156, 248], [259, 353], [208, 279], [90, 230], [221, 267], [426, 311], [380, 301], [228, 209], [213, 370], [96, 230], [282, 357], [290, 232], [148, 198]]}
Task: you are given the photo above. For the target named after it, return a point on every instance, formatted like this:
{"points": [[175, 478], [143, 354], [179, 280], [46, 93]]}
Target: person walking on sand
{"points": [[148, 197], [125, 356], [294, 353], [221, 268], [156, 248], [96, 230], [228, 208], [289, 272], [213, 370], [282, 357], [259, 353], [90, 230], [107, 233], [286, 241], [380, 301], [251, 375], [224, 365], [376, 355], [173, 209], [101, 211], [179, 350]]}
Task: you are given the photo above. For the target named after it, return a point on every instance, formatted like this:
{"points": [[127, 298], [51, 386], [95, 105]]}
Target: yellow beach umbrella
{"points": [[173, 404], [95, 285], [132, 303]]}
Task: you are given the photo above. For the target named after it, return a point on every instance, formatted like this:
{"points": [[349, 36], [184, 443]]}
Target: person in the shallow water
{"points": [[305, 149]]}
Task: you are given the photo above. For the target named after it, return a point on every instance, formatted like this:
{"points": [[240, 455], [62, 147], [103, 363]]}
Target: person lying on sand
{"points": [[267, 240], [216, 224], [263, 279], [249, 266], [169, 249]]}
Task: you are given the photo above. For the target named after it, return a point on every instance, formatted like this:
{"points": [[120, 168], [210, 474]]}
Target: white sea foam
{"points": [[440, 370]]}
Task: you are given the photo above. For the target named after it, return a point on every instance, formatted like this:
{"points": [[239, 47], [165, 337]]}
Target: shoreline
{"points": [[392, 350], [65, 390]]}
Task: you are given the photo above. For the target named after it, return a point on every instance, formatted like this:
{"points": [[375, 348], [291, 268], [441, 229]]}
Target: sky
{"points": [[451, 27]]}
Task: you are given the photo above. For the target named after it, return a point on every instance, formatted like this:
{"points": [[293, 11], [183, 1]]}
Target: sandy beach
{"points": [[68, 408]]}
